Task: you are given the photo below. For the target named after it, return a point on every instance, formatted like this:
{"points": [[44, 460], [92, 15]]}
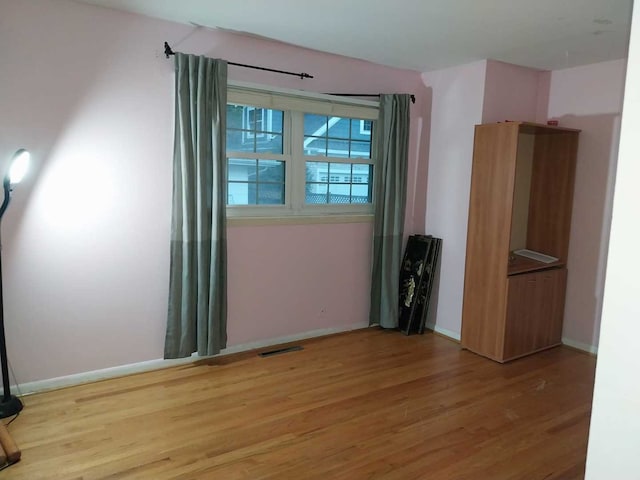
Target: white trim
{"points": [[336, 106], [299, 220], [293, 338], [150, 365], [96, 375], [565, 341], [593, 349], [443, 331], [302, 93]]}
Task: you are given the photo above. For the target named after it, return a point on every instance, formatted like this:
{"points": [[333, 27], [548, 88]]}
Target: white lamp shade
{"points": [[19, 166]]}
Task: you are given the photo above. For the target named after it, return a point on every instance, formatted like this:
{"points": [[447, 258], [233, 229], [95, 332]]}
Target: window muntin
{"points": [[332, 136], [333, 182], [338, 183], [254, 129], [255, 182]]}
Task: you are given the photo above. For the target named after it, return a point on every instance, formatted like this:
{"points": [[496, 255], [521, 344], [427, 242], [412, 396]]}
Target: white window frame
{"points": [[295, 104]]}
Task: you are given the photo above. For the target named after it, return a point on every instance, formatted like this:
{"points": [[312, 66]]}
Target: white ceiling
{"points": [[420, 35]]}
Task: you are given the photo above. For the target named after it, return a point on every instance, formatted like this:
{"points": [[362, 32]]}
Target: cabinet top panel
{"points": [[532, 128]]}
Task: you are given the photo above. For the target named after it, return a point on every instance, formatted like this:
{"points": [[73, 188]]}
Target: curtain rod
{"points": [[168, 52], [413, 97]]}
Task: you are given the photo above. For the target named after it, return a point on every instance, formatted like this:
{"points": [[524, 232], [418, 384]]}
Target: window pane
{"points": [[316, 193], [360, 194], [317, 171], [362, 173], [277, 120], [254, 129], [270, 171], [360, 149], [237, 141], [315, 146], [340, 172], [339, 128], [337, 137], [315, 125], [255, 182], [237, 193], [361, 129], [270, 193], [345, 183], [338, 148], [240, 169], [339, 193], [234, 116], [268, 143]]}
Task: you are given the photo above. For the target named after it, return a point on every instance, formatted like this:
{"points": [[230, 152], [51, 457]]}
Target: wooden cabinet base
{"points": [[533, 321], [535, 306], [505, 360]]}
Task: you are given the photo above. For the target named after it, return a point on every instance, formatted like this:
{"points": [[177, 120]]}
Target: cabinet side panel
{"points": [[551, 201], [490, 204], [521, 192]]}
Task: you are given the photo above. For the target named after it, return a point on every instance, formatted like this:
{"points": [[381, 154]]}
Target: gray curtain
{"points": [[390, 191], [197, 318]]}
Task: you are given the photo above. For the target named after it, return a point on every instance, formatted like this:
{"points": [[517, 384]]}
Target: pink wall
{"points": [[513, 93], [589, 98], [86, 240], [456, 98], [308, 277]]}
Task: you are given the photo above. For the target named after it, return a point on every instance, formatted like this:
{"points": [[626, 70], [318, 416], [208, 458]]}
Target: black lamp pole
{"points": [[10, 404]]}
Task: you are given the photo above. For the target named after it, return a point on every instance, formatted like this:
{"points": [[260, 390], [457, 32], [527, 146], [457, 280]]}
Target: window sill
{"points": [[298, 220]]}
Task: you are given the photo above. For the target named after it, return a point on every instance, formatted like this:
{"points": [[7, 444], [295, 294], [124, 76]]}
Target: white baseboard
{"points": [[443, 331], [292, 338], [593, 349], [149, 365]]}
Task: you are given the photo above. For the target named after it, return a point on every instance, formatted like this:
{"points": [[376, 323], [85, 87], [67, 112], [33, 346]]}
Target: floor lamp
{"points": [[10, 404]]}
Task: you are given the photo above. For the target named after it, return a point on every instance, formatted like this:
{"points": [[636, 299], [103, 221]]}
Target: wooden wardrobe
{"points": [[521, 198]]}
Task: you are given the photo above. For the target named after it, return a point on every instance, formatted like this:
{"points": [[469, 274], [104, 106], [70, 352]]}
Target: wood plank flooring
{"points": [[368, 404]]}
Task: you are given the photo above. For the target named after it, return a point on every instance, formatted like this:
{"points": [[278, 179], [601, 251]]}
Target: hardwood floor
{"points": [[364, 405]]}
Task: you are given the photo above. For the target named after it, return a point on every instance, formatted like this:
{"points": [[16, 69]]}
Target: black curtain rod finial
{"points": [[167, 50]]}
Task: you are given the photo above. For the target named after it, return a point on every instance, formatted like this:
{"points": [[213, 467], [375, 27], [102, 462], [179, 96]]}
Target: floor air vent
{"points": [[271, 353]]}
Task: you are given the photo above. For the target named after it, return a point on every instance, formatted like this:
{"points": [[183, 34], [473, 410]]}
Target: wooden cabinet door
{"points": [[535, 307]]}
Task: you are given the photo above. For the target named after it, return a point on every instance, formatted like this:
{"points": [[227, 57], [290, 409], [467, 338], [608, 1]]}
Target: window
{"points": [[255, 182], [255, 160], [290, 155]]}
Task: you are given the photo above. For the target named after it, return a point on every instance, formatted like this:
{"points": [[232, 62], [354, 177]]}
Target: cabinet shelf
{"points": [[519, 264]]}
